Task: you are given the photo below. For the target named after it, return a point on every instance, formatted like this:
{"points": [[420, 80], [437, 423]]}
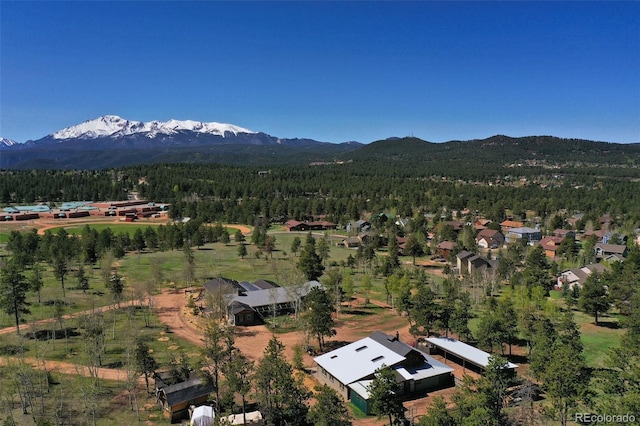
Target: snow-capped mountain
{"points": [[112, 141], [4, 142], [114, 126]]}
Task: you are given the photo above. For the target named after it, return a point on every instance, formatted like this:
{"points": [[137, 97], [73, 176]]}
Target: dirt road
{"points": [[26, 326], [69, 368]]}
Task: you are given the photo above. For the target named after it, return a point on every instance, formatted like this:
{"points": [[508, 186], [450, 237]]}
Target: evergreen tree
{"points": [[13, 292], [619, 384], [319, 317], [281, 398], [295, 245], [310, 263], [35, 279], [329, 409], [116, 285], [218, 347], [238, 373], [323, 249], [82, 279], [242, 250], [384, 396], [60, 270], [145, 363], [557, 360], [438, 414], [412, 247], [423, 315], [594, 299]]}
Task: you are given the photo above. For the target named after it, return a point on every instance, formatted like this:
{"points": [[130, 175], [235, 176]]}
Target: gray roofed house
{"points": [[577, 276], [175, 400], [531, 235], [605, 250], [248, 303]]}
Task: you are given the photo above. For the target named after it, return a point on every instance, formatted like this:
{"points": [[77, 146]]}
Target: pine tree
{"points": [[145, 363], [310, 263], [329, 409], [319, 317], [281, 398], [594, 299], [13, 292], [384, 396]]}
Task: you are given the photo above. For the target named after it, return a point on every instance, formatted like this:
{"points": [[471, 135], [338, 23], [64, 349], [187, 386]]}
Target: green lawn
{"points": [[598, 340], [116, 228]]}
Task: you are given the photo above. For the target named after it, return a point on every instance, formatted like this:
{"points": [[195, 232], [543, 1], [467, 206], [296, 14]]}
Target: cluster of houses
{"points": [[489, 238], [128, 210]]}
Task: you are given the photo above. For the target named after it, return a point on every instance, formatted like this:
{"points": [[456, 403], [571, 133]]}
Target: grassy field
{"points": [[73, 400], [74, 300], [116, 228]]}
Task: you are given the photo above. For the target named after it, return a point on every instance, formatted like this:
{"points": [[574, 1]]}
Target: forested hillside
{"points": [[342, 191]]}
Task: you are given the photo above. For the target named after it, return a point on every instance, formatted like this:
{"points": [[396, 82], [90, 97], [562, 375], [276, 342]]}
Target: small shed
{"points": [[176, 399]]}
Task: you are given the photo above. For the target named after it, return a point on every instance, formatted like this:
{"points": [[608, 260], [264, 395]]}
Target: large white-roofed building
{"points": [[350, 369]]}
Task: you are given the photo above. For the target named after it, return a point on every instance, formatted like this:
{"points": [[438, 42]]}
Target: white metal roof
{"points": [[464, 351], [357, 360], [430, 368], [361, 388]]}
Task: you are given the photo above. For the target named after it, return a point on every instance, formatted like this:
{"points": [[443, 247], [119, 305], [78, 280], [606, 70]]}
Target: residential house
{"points": [[350, 369], [481, 265], [530, 235], [445, 249], [573, 220], [564, 233], [473, 263], [550, 245], [358, 226], [507, 225], [456, 225], [481, 224], [577, 276], [351, 242], [294, 225], [605, 221], [249, 303], [174, 400], [402, 223], [462, 263], [367, 236], [489, 239], [611, 252], [606, 237]]}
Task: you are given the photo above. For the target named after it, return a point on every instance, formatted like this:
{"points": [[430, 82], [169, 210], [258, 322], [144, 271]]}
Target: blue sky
{"points": [[330, 71]]}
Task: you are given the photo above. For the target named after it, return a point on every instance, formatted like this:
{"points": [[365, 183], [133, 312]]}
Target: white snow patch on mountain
{"points": [[114, 126], [7, 142]]}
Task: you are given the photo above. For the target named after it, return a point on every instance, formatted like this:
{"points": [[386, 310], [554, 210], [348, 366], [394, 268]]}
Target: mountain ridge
{"points": [[111, 141]]}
